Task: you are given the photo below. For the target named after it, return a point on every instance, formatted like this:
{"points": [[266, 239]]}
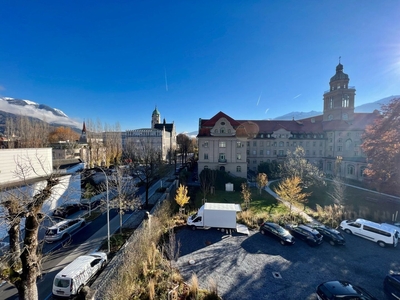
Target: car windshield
{"points": [[51, 231]]}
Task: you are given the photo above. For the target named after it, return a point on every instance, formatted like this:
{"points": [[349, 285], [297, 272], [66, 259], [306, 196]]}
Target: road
{"points": [[83, 241]]}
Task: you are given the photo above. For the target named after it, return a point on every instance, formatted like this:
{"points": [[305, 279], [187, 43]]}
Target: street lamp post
{"points": [[108, 212]]}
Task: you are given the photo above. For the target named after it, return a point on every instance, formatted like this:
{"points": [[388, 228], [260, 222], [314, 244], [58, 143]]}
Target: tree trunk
{"points": [[26, 285]]}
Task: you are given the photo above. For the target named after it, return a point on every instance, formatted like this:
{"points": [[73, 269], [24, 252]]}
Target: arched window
{"points": [[362, 174], [350, 170], [222, 130], [348, 144]]}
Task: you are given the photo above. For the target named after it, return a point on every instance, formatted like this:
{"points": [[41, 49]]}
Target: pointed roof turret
{"points": [[155, 111]]}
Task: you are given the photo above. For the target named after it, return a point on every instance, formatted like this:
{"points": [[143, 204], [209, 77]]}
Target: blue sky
{"points": [[114, 61]]}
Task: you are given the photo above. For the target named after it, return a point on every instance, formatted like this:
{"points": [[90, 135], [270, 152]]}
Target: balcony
{"points": [[222, 161]]}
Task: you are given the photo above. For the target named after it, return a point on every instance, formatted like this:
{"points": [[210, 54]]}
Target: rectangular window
{"points": [[205, 144], [307, 144], [261, 143], [222, 144], [314, 144], [238, 144], [280, 152], [268, 144], [254, 152], [274, 152], [248, 152], [261, 152], [238, 156], [339, 148], [205, 155], [268, 152], [255, 143], [254, 162], [248, 144], [294, 144]]}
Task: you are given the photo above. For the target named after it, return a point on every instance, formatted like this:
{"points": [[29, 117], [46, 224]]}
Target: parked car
{"points": [[331, 235], [93, 204], [4, 248], [331, 290], [305, 233], [391, 285], [277, 232], [66, 210], [63, 229]]}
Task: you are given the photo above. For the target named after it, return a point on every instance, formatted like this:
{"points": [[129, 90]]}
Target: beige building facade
{"points": [[236, 146]]}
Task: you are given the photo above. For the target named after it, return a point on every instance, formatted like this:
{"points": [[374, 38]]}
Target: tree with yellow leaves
{"points": [[262, 181], [290, 190], [181, 196]]}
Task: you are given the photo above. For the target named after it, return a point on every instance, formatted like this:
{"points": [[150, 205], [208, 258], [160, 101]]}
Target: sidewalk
{"points": [[294, 208]]}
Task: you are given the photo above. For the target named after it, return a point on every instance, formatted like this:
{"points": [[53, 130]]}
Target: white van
{"points": [[62, 229], [383, 234], [70, 280]]}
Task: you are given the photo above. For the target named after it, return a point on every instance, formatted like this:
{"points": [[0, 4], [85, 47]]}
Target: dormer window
{"points": [[222, 129]]}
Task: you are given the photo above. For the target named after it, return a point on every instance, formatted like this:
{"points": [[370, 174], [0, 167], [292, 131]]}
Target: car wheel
{"points": [[282, 242], [348, 231], [262, 231], [381, 244], [332, 242]]}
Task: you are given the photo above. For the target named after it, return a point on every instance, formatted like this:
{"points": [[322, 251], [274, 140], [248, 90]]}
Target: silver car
{"points": [[63, 229]]}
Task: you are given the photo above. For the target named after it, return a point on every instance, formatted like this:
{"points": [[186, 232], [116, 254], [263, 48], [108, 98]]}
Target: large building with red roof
{"points": [[236, 146]]}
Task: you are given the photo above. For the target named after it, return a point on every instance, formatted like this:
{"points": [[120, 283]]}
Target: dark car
{"points": [[331, 235], [305, 233], [277, 232], [331, 290], [66, 210], [391, 286], [93, 204]]}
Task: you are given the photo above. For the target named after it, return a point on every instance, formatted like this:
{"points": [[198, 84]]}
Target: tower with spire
{"points": [[83, 137], [339, 100], [155, 118]]}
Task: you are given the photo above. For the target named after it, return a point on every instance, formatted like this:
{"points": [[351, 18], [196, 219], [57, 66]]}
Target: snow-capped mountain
{"points": [[364, 108], [40, 111]]}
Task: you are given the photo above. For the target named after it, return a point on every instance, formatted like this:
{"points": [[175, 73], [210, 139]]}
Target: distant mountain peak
{"points": [[30, 108]]}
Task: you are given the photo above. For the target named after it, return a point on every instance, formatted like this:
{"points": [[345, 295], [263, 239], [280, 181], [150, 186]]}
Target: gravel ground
{"points": [[258, 267]]}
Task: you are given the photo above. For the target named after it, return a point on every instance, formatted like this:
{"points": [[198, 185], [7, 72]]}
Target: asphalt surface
{"points": [[258, 267]]}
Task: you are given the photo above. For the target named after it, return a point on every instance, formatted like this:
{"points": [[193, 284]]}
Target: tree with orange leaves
{"points": [[63, 134], [381, 144]]}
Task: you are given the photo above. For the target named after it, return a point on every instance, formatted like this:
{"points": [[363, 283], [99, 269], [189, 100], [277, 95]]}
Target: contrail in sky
{"points": [[297, 96], [166, 82], [266, 110], [259, 99]]}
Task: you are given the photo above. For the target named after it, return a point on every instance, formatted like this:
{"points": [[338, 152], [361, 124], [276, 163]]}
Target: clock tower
{"points": [[339, 100]]}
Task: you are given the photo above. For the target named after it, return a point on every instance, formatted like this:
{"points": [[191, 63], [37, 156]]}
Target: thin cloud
{"points": [[297, 96], [166, 82], [259, 97], [266, 110]]}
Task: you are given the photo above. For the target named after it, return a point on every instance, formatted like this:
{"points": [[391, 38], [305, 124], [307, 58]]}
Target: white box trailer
{"points": [[215, 215], [70, 280]]}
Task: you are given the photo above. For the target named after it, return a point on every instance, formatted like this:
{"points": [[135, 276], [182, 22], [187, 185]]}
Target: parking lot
{"points": [[258, 267]]}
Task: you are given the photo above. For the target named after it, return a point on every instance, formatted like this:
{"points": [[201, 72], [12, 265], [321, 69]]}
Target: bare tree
{"points": [[125, 189], [18, 205], [112, 144], [296, 165], [184, 144], [144, 156], [26, 132], [207, 181]]}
